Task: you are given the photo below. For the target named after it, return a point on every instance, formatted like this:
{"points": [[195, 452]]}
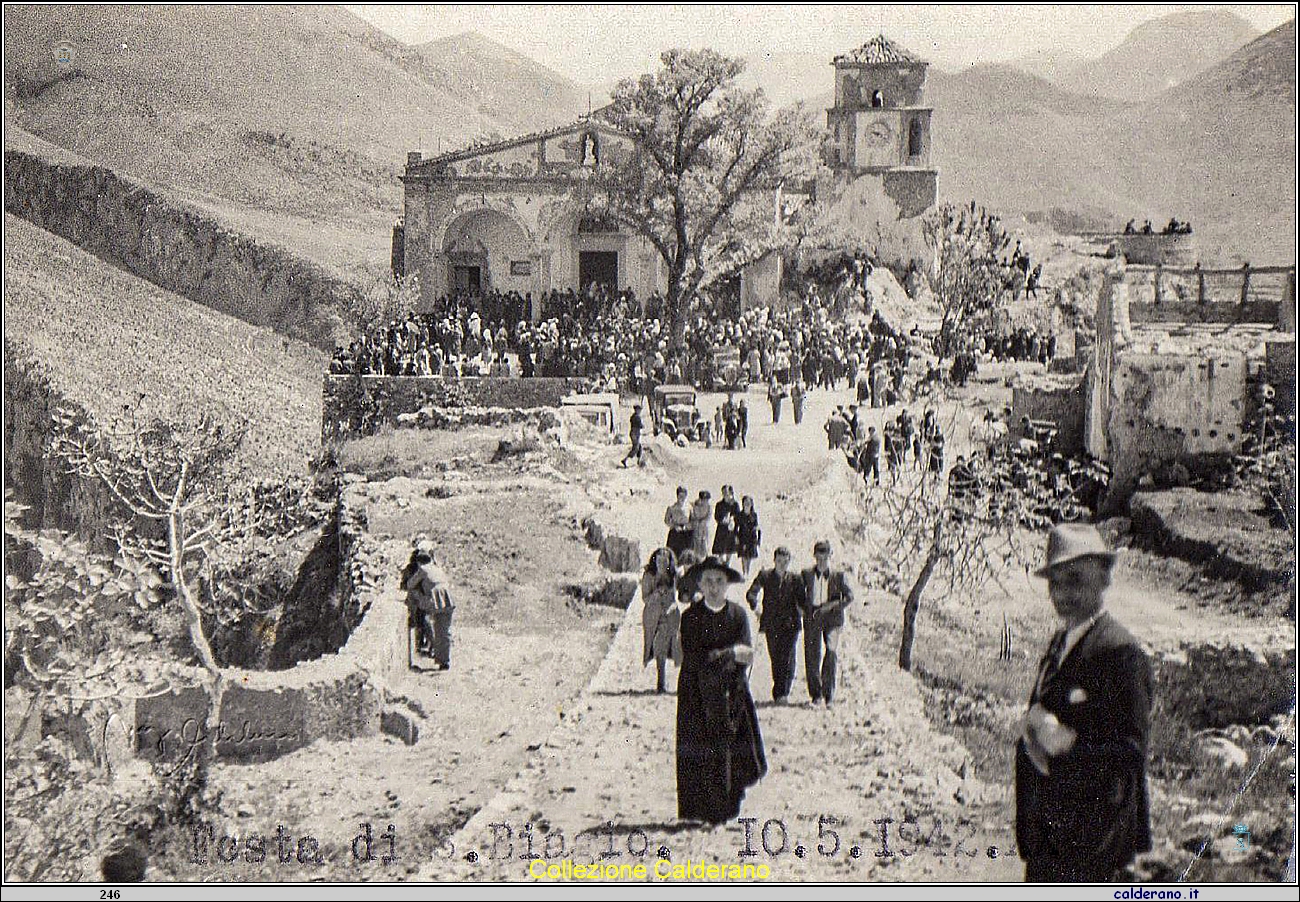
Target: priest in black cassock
{"points": [[719, 746]]}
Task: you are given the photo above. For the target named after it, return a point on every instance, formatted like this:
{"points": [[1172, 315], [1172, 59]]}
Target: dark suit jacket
{"points": [[781, 595], [839, 595], [1092, 807]]}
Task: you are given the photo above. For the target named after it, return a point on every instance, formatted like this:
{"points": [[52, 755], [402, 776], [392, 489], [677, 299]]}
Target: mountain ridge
{"points": [[293, 120], [296, 121], [1160, 54]]}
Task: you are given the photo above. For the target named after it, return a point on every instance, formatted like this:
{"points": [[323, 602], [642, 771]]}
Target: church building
{"points": [[509, 215]]}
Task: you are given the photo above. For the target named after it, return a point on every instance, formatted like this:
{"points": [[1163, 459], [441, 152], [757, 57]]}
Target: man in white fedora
{"points": [[1081, 792]]}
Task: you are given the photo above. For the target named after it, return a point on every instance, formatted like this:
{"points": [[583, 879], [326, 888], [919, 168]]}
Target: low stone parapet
{"points": [[266, 714], [362, 405]]}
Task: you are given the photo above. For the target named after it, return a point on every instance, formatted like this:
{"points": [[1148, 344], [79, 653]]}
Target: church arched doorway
{"points": [[487, 250]]}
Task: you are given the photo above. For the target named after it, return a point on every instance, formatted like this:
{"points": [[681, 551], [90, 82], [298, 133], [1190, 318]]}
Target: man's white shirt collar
{"points": [[1074, 634]]}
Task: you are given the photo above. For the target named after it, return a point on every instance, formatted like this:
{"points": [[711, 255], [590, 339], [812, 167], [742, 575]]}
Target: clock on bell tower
{"points": [[880, 124]]}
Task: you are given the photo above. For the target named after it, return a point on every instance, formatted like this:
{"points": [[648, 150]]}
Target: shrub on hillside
{"points": [[78, 641]]}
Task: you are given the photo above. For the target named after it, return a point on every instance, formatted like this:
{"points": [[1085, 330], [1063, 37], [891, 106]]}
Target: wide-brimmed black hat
{"points": [[713, 562]]}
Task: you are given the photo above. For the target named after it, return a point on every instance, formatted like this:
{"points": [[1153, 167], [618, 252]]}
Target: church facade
{"points": [[509, 216]]}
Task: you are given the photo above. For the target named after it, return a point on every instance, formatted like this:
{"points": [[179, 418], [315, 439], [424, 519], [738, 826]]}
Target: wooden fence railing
{"points": [[1245, 294]]}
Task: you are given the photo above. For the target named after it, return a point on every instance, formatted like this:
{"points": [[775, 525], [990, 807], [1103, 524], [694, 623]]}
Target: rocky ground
{"points": [[522, 749], [525, 643]]}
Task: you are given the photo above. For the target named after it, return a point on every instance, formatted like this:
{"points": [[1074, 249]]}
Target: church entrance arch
{"points": [[598, 268], [488, 250], [599, 243], [467, 276]]}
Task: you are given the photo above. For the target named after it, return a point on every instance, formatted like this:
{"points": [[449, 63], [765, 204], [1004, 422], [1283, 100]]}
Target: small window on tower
{"points": [[877, 99], [914, 145]]}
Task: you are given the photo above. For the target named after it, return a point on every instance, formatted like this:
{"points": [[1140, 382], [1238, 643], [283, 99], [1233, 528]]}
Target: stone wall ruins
{"points": [[1055, 399], [1161, 390], [1157, 248], [1168, 407], [270, 713]]}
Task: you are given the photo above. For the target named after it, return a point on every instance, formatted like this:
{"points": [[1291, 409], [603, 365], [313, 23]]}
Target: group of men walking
{"points": [[901, 437], [811, 601], [1080, 751]]}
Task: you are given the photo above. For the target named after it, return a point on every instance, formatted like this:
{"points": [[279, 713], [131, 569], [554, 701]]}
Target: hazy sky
{"points": [[597, 44]]}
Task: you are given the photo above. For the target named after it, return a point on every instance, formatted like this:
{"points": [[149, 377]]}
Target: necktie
{"points": [[1052, 663]]}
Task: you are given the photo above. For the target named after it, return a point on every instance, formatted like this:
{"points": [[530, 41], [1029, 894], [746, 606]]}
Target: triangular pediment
{"points": [[565, 150]]}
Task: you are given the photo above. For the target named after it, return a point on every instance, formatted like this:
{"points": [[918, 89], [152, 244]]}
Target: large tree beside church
{"points": [[702, 186]]}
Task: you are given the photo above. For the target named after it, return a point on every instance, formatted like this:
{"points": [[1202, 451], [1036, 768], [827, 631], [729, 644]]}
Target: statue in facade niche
{"points": [[590, 151]]}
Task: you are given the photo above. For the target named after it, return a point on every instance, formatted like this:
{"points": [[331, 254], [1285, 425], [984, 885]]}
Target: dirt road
{"points": [[867, 790], [842, 782]]}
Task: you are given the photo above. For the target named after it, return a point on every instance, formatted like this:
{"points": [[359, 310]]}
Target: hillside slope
{"points": [[1020, 144], [788, 78], [110, 339], [1220, 150], [288, 118], [499, 82], [1051, 63]]}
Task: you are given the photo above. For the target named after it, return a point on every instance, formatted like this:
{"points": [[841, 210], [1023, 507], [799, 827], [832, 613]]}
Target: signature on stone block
{"points": [[192, 734]]}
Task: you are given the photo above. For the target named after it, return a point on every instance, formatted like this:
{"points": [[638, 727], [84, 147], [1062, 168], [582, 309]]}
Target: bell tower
{"points": [[880, 125]]}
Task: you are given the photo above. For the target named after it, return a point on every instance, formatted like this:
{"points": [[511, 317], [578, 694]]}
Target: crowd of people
{"points": [[610, 338], [1020, 344], [901, 440], [1080, 746], [711, 544], [462, 335], [1020, 476], [729, 425], [1023, 343]]}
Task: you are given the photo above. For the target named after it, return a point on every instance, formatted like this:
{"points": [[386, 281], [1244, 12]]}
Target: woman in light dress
{"points": [[661, 617]]}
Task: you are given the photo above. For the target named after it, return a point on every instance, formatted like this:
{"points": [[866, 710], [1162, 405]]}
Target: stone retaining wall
{"points": [[1224, 534], [1157, 248], [57, 499], [1057, 399], [362, 405], [1219, 685], [266, 714], [178, 248]]}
